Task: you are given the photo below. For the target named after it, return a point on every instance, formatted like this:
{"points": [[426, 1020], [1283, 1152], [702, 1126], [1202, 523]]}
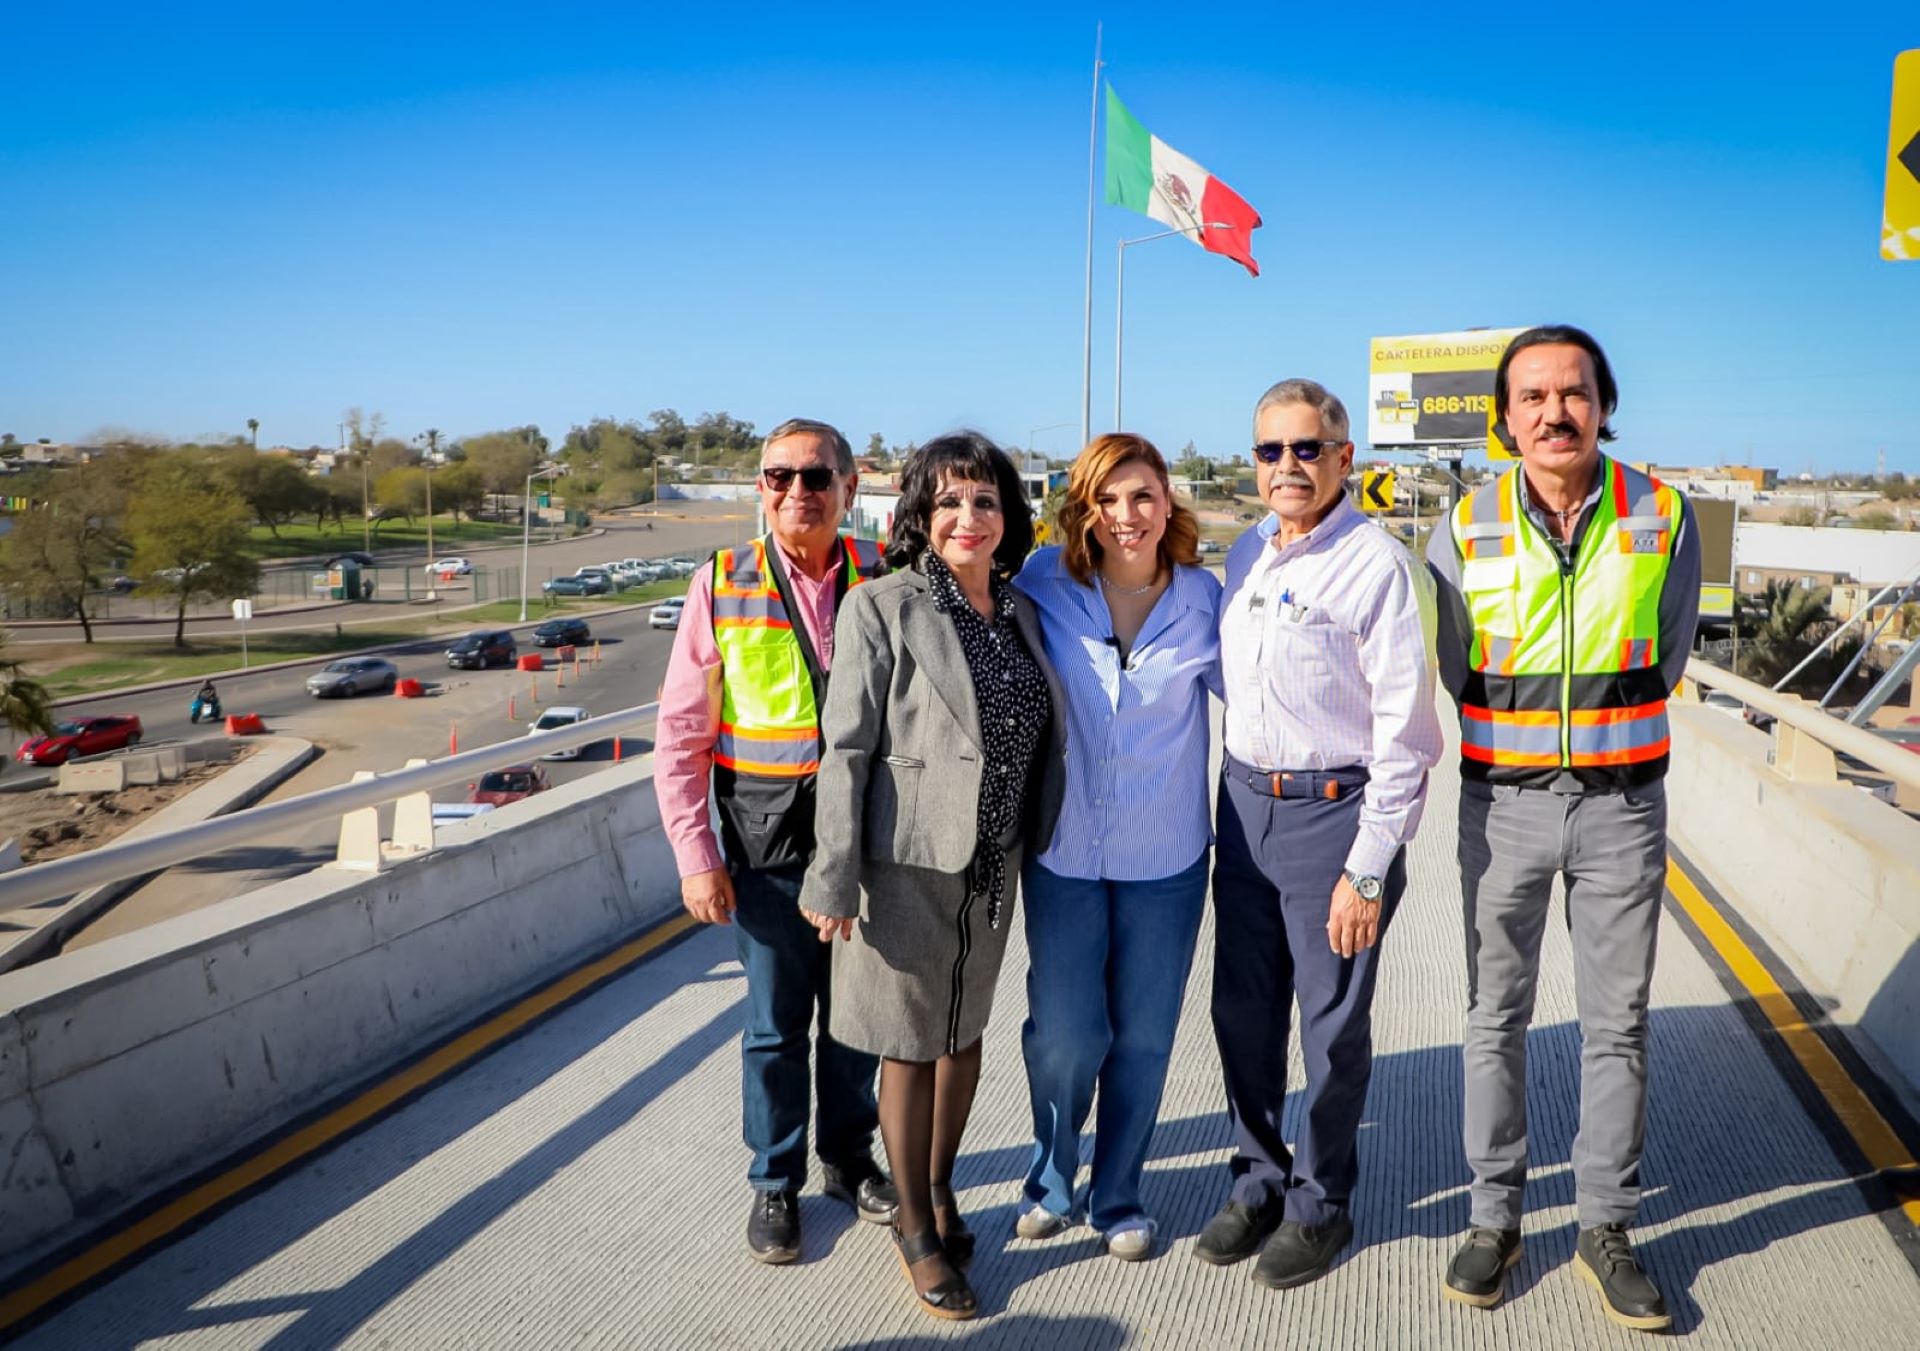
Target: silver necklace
{"points": [[1152, 582]]}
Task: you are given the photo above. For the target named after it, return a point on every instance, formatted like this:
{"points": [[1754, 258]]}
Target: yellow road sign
{"points": [[1376, 490], [1041, 530], [1900, 226]]}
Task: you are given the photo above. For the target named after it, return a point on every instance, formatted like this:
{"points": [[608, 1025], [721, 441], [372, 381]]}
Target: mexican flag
{"points": [[1147, 175]]}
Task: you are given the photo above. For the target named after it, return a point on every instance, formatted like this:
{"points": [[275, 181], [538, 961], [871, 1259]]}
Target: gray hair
{"points": [[826, 431], [1333, 413]]}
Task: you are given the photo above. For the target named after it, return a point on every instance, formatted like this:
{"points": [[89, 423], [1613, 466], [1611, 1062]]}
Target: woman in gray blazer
{"points": [[944, 759]]}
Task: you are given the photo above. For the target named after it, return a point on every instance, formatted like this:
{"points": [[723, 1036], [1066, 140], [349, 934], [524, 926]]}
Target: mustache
{"points": [[1560, 429], [1291, 481]]}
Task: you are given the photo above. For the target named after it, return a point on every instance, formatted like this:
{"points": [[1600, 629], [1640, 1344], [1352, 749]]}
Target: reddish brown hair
{"points": [[1091, 469]]}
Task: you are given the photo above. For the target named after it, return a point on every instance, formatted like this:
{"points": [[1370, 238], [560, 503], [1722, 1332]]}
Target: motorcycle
{"points": [[204, 710]]}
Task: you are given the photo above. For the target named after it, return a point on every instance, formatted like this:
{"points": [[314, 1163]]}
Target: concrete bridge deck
{"points": [[582, 1185]]}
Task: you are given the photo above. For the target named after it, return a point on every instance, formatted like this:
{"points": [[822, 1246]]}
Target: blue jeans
{"points": [[1107, 968], [789, 972]]}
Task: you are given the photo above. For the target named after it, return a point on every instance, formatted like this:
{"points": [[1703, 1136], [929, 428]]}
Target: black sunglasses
{"points": [[1270, 452], [814, 478]]}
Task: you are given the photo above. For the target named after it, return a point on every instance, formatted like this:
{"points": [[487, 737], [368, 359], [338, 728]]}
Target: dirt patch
{"points": [[50, 825]]}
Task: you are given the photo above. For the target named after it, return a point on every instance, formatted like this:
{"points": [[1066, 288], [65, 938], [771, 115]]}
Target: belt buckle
{"points": [[1331, 791], [1274, 780]]}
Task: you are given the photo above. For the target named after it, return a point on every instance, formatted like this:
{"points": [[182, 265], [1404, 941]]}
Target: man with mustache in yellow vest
{"points": [[739, 715], [1569, 589]]}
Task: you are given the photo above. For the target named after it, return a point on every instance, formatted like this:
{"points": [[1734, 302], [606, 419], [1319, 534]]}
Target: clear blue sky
{"points": [[473, 216]]}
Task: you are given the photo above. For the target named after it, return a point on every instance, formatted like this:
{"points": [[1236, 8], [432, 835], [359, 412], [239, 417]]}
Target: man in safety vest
{"points": [[739, 716], [1569, 588]]}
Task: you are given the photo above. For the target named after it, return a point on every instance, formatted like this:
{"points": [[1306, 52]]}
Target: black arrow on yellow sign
{"points": [[1377, 490], [1911, 157]]}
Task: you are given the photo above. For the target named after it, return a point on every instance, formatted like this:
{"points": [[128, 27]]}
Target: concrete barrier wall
{"points": [[1828, 875], [129, 1065]]}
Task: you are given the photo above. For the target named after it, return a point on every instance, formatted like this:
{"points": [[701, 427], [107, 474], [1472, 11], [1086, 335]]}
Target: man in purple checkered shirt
{"points": [[1325, 629]]}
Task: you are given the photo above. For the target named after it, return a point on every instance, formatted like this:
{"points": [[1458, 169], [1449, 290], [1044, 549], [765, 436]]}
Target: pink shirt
{"points": [[689, 722]]}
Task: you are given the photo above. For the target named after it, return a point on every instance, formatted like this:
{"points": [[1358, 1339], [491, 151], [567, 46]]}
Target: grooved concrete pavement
{"points": [[583, 1186]]}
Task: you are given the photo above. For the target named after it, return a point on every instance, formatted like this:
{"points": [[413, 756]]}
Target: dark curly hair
{"points": [[960, 455]]}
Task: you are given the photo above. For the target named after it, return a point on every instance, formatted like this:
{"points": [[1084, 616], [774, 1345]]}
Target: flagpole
{"points": [[1086, 353], [1120, 297]]}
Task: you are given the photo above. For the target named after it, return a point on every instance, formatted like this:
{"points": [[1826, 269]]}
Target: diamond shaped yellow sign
{"points": [[1900, 227]]}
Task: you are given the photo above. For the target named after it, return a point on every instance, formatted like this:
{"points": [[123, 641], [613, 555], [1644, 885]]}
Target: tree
{"points": [[189, 537], [458, 488], [1193, 465], [1778, 636], [253, 431], [1874, 518], [58, 549], [504, 459], [274, 488], [402, 492], [25, 705], [876, 447]]}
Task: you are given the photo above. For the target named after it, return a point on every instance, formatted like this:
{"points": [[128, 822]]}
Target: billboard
{"points": [[1718, 522], [1433, 388]]}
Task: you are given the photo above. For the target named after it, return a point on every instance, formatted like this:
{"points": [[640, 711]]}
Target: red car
{"points": [[81, 736], [501, 786]]}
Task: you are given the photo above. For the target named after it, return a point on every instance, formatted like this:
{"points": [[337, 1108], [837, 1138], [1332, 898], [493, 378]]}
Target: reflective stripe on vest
{"points": [[769, 726], [1565, 664]]}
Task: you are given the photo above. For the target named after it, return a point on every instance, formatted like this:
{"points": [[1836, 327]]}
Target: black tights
{"points": [[924, 1105]]}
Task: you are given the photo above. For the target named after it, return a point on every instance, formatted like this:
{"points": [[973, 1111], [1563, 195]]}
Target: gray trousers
{"points": [[1611, 850]]}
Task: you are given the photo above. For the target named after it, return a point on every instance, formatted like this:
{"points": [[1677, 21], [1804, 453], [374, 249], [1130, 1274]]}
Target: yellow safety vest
{"points": [[768, 748], [1565, 657]]}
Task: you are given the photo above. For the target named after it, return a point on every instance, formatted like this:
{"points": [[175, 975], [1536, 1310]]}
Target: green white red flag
{"points": [[1147, 175]]}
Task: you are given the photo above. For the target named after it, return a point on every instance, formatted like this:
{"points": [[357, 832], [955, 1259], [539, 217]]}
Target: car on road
{"points": [[561, 632], [481, 649], [353, 675], [81, 736], [459, 567], [358, 557], [666, 615], [560, 715], [573, 586], [121, 585], [501, 786]]}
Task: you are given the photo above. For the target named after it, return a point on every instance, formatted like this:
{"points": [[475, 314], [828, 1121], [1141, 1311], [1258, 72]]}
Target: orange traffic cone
{"points": [[453, 738], [616, 750]]}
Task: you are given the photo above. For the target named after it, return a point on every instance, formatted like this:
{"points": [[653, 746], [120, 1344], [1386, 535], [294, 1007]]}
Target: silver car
{"points": [[353, 675]]}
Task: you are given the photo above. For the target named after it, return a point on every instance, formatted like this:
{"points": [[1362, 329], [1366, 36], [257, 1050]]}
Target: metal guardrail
{"points": [[63, 877], [1901, 766]]}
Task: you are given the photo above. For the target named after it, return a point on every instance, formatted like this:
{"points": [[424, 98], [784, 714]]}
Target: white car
{"points": [[459, 567], [666, 615], [560, 715]]}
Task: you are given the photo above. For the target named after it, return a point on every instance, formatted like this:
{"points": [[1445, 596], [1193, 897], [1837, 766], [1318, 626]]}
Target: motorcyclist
{"points": [[206, 703]]}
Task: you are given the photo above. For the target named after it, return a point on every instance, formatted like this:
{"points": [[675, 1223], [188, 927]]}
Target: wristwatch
{"points": [[1366, 888]]}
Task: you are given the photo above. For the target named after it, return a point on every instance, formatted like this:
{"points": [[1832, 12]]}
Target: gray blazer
{"points": [[900, 779]]}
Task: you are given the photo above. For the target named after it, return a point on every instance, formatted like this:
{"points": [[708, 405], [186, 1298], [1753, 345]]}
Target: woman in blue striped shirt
{"points": [[1113, 905]]}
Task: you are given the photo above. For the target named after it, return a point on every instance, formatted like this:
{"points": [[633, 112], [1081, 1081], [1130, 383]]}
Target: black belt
{"points": [[1328, 784]]}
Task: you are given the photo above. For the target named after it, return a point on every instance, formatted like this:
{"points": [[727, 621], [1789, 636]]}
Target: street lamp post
{"points": [[526, 533]]}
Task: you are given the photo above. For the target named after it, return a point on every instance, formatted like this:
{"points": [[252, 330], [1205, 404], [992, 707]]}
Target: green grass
{"points": [[302, 537], [146, 662]]}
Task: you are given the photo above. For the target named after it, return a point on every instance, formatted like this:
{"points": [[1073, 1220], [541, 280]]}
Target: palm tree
{"points": [[253, 430], [1775, 639], [25, 705]]}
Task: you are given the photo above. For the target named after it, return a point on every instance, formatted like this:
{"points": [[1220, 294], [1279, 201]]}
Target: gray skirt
{"points": [[916, 980]]}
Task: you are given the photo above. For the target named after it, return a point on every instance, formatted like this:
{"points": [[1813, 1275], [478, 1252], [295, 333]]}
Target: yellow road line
{"points": [[1883, 1148], [29, 1299]]}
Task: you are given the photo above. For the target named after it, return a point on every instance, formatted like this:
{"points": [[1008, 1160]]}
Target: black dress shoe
{"points": [[1235, 1233], [1298, 1253], [1605, 1257], [773, 1227], [862, 1186], [1478, 1273]]}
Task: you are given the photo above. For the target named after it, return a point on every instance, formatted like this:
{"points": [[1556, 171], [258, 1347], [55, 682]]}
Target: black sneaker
{"points": [[1605, 1257], [1235, 1233], [1478, 1273], [1298, 1253], [864, 1187], [773, 1227]]}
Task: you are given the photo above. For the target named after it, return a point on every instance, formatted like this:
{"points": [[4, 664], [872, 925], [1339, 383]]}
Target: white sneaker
{"points": [[1131, 1240], [1036, 1221]]}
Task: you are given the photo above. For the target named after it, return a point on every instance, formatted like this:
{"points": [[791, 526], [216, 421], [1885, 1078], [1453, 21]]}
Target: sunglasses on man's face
{"points": [[1271, 452], [815, 478]]}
